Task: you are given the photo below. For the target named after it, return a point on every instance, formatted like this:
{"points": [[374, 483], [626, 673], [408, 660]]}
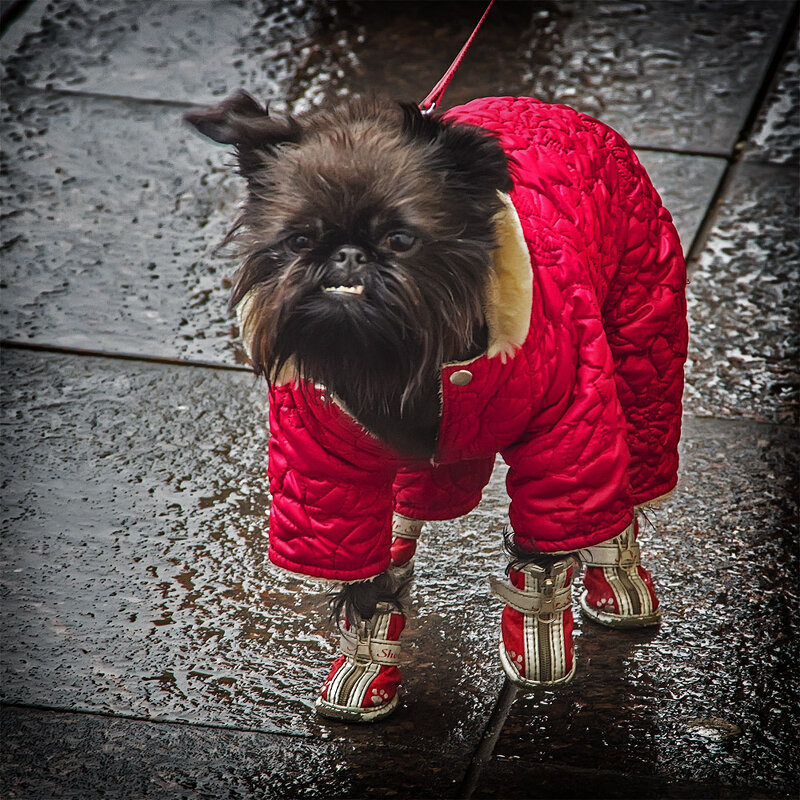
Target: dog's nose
{"points": [[349, 257], [346, 266]]}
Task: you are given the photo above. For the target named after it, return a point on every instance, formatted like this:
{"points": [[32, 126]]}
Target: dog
{"points": [[424, 291]]}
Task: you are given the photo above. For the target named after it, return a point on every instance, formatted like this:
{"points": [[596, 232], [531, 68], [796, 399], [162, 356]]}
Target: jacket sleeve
{"points": [[645, 317], [331, 485], [441, 491]]}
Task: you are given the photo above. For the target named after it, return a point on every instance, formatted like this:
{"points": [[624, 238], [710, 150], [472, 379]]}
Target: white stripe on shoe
{"points": [[624, 607]]}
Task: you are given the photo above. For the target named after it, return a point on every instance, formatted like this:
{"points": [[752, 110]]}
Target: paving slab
{"points": [[776, 133], [670, 75], [113, 214], [686, 185], [673, 75], [744, 302], [184, 50], [48, 755], [711, 696], [509, 781], [679, 75], [135, 581]]}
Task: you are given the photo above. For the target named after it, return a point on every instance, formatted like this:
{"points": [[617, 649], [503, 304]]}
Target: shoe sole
{"points": [[619, 620], [513, 675], [351, 714]]}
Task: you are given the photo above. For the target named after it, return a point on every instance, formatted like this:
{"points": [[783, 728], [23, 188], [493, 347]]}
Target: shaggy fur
{"points": [[357, 601], [518, 558], [375, 195]]}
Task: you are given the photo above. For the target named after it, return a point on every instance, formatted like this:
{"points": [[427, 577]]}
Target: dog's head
{"points": [[366, 239]]}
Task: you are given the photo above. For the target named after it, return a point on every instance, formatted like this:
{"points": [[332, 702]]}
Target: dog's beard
{"points": [[378, 348]]}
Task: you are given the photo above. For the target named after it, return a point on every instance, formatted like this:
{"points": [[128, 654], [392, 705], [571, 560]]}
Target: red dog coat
{"points": [[580, 390]]}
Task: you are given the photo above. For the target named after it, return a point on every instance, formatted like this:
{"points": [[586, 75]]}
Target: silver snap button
{"points": [[461, 377]]}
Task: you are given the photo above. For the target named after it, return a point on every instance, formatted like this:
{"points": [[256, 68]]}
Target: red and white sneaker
{"points": [[405, 533], [536, 648], [363, 682], [619, 591]]}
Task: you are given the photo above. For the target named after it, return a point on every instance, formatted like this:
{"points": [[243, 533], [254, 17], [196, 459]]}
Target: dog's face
{"points": [[366, 240]]}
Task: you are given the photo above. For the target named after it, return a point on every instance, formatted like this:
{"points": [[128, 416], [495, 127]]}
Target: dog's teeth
{"points": [[344, 289]]}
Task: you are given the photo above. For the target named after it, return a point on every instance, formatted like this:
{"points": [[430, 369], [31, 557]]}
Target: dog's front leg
{"points": [[363, 683]]}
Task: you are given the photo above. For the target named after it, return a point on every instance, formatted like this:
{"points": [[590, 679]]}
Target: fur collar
{"points": [[509, 292]]}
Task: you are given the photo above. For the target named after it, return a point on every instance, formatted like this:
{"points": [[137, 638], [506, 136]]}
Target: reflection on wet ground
{"points": [[132, 536], [744, 302]]}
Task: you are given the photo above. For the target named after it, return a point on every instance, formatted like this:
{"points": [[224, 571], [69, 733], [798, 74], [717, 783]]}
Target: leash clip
{"points": [[428, 105]]}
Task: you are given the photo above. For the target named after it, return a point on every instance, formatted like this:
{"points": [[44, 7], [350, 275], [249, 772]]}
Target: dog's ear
{"points": [[467, 151], [241, 121]]}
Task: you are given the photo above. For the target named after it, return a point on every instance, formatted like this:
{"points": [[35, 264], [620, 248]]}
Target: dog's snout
{"points": [[349, 257], [346, 266]]}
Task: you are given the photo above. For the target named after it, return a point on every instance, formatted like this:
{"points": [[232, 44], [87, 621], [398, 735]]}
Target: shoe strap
{"points": [[543, 604], [621, 551], [405, 527], [362, 647]]}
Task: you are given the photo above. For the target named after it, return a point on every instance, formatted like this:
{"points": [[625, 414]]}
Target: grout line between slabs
{"points": [[11, 12], [118, 98], [491, 733], [40, 707], [734, 160], [190, 104], [10, 344]]}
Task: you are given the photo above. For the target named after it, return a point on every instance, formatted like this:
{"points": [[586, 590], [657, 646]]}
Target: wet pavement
{"points": [[148, 648]]}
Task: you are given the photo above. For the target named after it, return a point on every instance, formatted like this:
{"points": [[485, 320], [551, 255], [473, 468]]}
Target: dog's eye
{"points": [[400, 241], [298, 242]]}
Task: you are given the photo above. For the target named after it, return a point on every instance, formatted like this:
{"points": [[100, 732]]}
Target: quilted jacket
{"points": [[580, 390]]}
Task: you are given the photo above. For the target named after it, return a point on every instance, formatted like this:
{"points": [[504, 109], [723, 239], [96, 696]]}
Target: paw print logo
{"points": [[379, 696]]}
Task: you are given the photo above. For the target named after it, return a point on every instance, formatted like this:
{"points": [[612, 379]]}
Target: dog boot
{"points": [[536, 647], [363, 682], [618, 590], [405, 533]]}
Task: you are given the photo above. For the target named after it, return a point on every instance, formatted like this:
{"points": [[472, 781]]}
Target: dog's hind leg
{"points": [[536, 647]]}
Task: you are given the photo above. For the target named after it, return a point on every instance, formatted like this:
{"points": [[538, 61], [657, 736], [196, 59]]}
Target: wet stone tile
{"points": [[134, 567], [743, 297], [673, 75], [180, 50], [83, 757], [711, 696], [686, 185], [114, 213], [113, 216], [776, 134], [511, 780], [676, 75]]}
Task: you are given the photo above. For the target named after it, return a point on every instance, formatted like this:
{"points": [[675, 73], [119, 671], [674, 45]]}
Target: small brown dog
{"points": [[423, 292]]}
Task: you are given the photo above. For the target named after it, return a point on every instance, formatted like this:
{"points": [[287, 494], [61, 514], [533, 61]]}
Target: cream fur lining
{"points": [[509, 293], [657, 502]]}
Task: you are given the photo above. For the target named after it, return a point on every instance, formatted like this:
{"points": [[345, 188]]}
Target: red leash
{"points": [[428, 105]]}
